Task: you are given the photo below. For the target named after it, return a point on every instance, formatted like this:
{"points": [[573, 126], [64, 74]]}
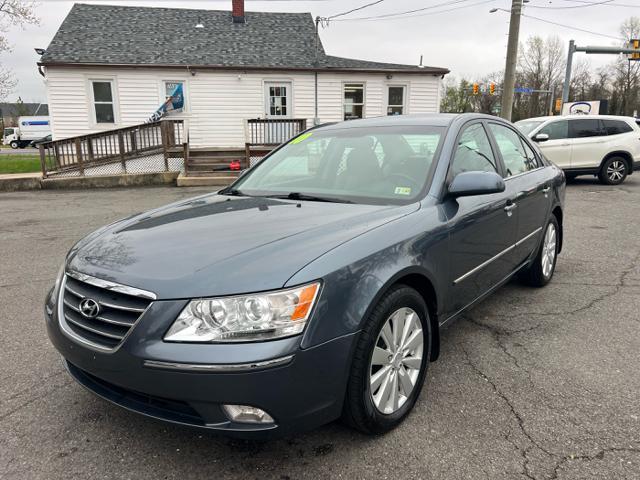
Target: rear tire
{"points": [[614, 171], [541, 270], [382, 372]]}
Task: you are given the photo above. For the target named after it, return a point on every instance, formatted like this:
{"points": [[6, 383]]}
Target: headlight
{"points": [[262, 316]]}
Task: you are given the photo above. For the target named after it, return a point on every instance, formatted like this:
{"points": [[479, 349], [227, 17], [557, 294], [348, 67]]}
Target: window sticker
{"points": [[300, 138], [403, 191]]}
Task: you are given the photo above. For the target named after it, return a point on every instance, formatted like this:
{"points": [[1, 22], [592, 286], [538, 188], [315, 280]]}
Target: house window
{"points": [[395, 100], [103, 101], [353, 100], [278, 99]]}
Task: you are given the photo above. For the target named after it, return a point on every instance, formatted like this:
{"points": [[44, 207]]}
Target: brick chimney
{"points": [[237, 11]]}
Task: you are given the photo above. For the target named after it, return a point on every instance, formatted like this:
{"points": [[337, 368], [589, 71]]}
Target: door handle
{"points": [[509, 207], [546, 189]]}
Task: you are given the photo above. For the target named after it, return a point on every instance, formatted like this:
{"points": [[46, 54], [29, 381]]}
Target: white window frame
{"points": [[364, 97], [185, 91], [268, 82], [114, 100], [405, 95]]}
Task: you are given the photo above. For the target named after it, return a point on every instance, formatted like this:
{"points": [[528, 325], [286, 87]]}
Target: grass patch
{"points": [[19, 163]]}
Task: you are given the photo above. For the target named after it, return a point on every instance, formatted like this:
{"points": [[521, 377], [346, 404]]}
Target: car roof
{"points": [[571, 117], [420, 119]]}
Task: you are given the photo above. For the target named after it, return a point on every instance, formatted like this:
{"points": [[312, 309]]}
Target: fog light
{"points": [[246, 414]]}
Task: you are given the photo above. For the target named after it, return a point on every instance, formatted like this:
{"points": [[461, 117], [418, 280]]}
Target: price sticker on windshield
{"points": [[300, 138], [403, 191]]}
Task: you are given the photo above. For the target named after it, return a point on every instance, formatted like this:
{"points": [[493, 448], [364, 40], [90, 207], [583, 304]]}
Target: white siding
{"points": [[219, 101]]}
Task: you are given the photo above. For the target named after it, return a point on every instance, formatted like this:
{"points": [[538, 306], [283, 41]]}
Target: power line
{"points": [[397, 16], [584, 5], [586, 2], [386, 15], [572, 28], [362, 7]]}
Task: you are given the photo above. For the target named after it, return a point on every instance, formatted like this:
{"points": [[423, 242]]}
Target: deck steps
{"points": [[204, 180]]}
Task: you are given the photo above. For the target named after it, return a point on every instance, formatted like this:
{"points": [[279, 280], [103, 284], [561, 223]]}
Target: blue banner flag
{"points": [[174, 103]]}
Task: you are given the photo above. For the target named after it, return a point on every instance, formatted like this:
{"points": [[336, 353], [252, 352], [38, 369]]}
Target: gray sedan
{"points": [[316, 286]]}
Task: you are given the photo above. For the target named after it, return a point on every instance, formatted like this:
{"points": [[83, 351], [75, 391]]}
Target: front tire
{"points": [[390, 362], [15, 144], [614, 171], [541, 270]]}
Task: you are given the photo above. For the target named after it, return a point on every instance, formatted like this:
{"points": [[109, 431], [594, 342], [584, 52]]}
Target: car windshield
{"points": [[528, 126], [357, 165]]}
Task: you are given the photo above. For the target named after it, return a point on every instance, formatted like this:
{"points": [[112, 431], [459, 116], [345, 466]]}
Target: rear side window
{"points": [[585, 127], [512, 150], [556, 130], [615, 127]]}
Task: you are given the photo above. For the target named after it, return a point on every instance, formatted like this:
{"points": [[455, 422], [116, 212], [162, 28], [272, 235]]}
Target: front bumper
{"points": [[304, 390]]}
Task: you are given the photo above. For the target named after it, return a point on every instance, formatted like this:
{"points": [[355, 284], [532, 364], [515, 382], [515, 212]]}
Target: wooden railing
{"points": [[119, 145], [272, 131]]}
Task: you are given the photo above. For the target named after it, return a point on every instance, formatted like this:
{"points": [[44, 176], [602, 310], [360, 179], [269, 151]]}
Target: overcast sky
{"points": [[469, 40]]}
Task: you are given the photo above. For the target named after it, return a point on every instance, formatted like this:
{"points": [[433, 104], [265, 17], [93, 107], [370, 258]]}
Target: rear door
{"points": [[528, 181], [588, 142], [482, 227], [557, 148]]}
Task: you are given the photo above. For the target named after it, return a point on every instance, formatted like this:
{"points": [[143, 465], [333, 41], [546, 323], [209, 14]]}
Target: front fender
{"points": [[356, 274]]}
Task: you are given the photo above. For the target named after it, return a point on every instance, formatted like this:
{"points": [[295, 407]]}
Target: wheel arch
{"points": [[557, 212], [422, 282]]}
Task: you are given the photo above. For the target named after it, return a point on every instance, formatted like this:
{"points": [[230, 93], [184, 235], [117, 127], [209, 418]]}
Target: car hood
{"points": [[220, 245]]}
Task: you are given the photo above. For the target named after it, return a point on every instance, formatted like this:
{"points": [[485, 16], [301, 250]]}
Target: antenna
{"points": [[421, 66]]}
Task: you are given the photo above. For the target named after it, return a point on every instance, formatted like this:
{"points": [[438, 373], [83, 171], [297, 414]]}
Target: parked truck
{"points": [[28, 130]]}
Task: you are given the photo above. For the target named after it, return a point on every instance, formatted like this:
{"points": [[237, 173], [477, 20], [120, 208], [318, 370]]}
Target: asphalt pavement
{"points": [[532, 383], [19, 151]]}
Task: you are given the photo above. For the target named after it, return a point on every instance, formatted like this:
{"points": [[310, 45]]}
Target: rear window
{"points": [[616, 127], [585, 127]]}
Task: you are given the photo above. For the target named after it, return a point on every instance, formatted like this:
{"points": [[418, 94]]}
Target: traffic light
{"points": [[635, 44], [492, 88], [476, 88]]}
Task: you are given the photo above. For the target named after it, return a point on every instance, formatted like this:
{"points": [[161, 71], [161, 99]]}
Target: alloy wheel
{"points": [[396, 360], [549, 250], [615, 171]]}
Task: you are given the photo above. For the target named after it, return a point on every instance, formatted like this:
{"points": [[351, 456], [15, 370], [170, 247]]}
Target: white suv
{"points": [[602, 145]]}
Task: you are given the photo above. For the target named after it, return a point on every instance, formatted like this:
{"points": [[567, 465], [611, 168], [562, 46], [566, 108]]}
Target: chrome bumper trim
{"points": [[220, 367]]}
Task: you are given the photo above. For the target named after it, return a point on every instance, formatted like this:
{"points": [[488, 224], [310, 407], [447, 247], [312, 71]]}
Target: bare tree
{"points": [[12, 13], [540, 67], [625, 97]]}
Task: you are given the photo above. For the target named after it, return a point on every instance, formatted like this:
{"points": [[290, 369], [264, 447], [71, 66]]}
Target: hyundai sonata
{"points": [[315, 286]]}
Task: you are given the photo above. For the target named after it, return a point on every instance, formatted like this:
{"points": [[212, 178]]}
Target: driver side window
{"points": [[473, 152]]}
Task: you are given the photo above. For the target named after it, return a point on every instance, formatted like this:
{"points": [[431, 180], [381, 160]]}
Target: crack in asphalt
{"points": [[588, 458], [30, 400]]}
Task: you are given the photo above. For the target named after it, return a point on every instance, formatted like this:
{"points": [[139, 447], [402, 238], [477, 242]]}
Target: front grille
{"points": [[116, 312]]}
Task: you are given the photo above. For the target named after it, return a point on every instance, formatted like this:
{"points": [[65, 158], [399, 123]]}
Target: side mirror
{"points": [[541, 137], [476, 183]]}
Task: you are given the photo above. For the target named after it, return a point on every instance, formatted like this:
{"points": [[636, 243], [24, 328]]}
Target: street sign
{"points": [[523, 90]]}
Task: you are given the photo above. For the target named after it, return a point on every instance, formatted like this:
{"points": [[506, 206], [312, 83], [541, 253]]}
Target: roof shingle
{"points": [[121, 35]]}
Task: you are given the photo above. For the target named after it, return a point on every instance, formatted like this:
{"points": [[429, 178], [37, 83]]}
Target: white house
{"points": [[112, 66]]}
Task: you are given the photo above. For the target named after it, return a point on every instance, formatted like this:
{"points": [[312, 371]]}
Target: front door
{"points": [[277, 103], [482, 227], [558, 147]]}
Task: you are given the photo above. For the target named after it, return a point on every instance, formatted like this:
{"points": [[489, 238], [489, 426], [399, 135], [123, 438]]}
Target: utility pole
{"points": [[567, 74], [512, 58]]}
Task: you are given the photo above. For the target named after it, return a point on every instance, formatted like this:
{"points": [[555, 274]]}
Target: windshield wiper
{"points": [[310, 198]]}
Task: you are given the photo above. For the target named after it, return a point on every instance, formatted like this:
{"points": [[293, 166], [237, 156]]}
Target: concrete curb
{"points": [[111, 181], [20, 181], [12, 183]]}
